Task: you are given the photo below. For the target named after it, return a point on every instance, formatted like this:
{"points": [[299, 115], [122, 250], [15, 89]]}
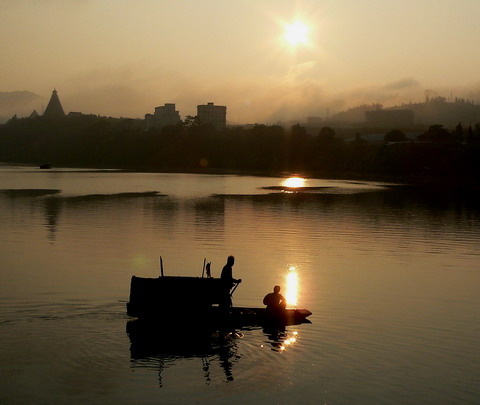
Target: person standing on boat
{"points": [[275, 300], [228, 280]]}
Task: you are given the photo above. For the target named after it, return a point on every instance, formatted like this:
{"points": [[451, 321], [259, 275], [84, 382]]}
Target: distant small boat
{"points": [[197, 300], [45, 166]]}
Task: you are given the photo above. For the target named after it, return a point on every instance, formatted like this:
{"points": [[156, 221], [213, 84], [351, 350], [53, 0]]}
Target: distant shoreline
{"points": [[441, 159]]}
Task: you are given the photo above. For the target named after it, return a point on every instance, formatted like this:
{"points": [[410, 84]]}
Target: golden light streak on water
{"points": [[291, 293], [294, 182]]}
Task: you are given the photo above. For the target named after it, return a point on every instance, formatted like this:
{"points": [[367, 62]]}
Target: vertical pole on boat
{"points": [[161, 266], [203, 270]]}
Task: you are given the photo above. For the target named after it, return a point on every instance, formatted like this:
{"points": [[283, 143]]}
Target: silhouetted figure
{"points": [[225, 355], [276, 335], [275, 300], [228, 281]]}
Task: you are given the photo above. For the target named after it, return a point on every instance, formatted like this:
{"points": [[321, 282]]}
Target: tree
{"points": [[359, 140], [459, 132], [437, 134], [191, 121], [395, 135], [326, 135], [298, 131]]}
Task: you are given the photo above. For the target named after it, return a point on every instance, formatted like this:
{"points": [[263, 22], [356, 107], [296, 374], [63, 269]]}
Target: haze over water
{"points": [[391, 277]]}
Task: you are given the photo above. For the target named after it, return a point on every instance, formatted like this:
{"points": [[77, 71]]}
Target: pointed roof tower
{"points": [[54, 108]]}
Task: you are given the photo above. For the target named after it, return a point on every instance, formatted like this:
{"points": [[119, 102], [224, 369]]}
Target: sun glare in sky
{"points": [[296, 33]]}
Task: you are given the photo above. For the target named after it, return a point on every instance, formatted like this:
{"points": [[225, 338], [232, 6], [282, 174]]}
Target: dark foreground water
{"points": [[392, 278]]}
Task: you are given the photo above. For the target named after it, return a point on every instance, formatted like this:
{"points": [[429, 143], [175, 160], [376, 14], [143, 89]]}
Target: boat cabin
{"points": [[153, 296]]}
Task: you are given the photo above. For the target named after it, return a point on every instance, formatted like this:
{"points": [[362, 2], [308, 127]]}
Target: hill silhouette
{"points": [[21, 103]]}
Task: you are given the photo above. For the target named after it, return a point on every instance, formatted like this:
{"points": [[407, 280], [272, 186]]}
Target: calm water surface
{"points": [[392, 279]]}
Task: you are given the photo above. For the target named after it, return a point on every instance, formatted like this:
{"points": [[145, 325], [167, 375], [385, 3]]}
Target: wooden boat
{"points": [[199, 300], [262, 316]]}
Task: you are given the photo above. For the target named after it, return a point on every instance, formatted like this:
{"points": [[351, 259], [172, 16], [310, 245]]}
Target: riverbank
{"points": [[423, 184]]}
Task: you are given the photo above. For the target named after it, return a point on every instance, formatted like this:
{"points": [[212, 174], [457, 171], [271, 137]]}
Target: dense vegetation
{"points": [[90, 141]]}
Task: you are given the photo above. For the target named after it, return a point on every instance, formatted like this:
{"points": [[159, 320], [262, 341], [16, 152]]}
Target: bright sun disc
{"points": [[296, 33]]}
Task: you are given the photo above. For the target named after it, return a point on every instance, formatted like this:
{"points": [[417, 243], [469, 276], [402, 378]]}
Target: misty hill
{"points": [[433, 111], [354, 115], [438, 110], [21, 103]]}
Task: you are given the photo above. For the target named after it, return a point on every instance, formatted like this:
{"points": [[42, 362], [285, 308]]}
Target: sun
{"points": [[296, 33]]}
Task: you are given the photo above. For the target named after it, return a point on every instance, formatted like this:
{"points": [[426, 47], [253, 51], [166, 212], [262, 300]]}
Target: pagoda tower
{"points": [[54, 108]]}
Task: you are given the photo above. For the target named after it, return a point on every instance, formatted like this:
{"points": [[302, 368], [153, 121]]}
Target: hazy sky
{"points": [[124, 57]]}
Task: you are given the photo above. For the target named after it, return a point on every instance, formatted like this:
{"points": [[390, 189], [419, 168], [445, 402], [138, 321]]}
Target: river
{"points": [[390, 275]]}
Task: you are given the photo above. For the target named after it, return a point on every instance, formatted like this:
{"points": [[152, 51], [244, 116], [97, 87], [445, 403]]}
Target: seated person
{"points": [[275, 300]]}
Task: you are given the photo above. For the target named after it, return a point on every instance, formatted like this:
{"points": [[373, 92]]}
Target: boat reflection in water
{"points": [[148, 341], [153, 346], [280, 339]]}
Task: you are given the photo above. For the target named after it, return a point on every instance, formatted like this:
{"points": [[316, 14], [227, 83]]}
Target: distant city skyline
{"points": [[435, 109], [266, 61]]}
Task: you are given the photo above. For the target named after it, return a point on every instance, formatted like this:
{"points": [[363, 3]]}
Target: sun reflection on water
{"points": [[283, 340], [291, 293], [294, 182]]}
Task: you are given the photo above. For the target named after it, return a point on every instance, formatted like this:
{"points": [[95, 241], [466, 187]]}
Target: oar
{"points": [[161, 266], [203, 270]]}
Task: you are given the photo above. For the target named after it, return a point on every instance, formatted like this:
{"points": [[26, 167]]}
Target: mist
{"points": [[291, 97], [295, 95]]}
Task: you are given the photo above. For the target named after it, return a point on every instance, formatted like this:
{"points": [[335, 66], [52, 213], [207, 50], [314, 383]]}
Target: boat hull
{"points": [[198, 302]]}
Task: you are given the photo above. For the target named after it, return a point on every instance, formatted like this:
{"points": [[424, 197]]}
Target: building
{"points": [[54, 108], [33, 115], [163, 116], [212, 114]]}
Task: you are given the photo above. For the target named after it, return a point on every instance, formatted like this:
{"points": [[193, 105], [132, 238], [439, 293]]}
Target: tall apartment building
{"points": [[212, 114], [163, 116]]}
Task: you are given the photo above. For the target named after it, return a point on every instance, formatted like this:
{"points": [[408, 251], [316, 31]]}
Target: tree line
{"points": [[91, 141]]}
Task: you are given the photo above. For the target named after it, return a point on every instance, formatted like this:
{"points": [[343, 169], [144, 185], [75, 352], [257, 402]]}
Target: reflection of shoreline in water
{"points": [[210, 219], [398, 200], [112, 196], [53, 202], [53, 208], [28, 192], [166, 345]]}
